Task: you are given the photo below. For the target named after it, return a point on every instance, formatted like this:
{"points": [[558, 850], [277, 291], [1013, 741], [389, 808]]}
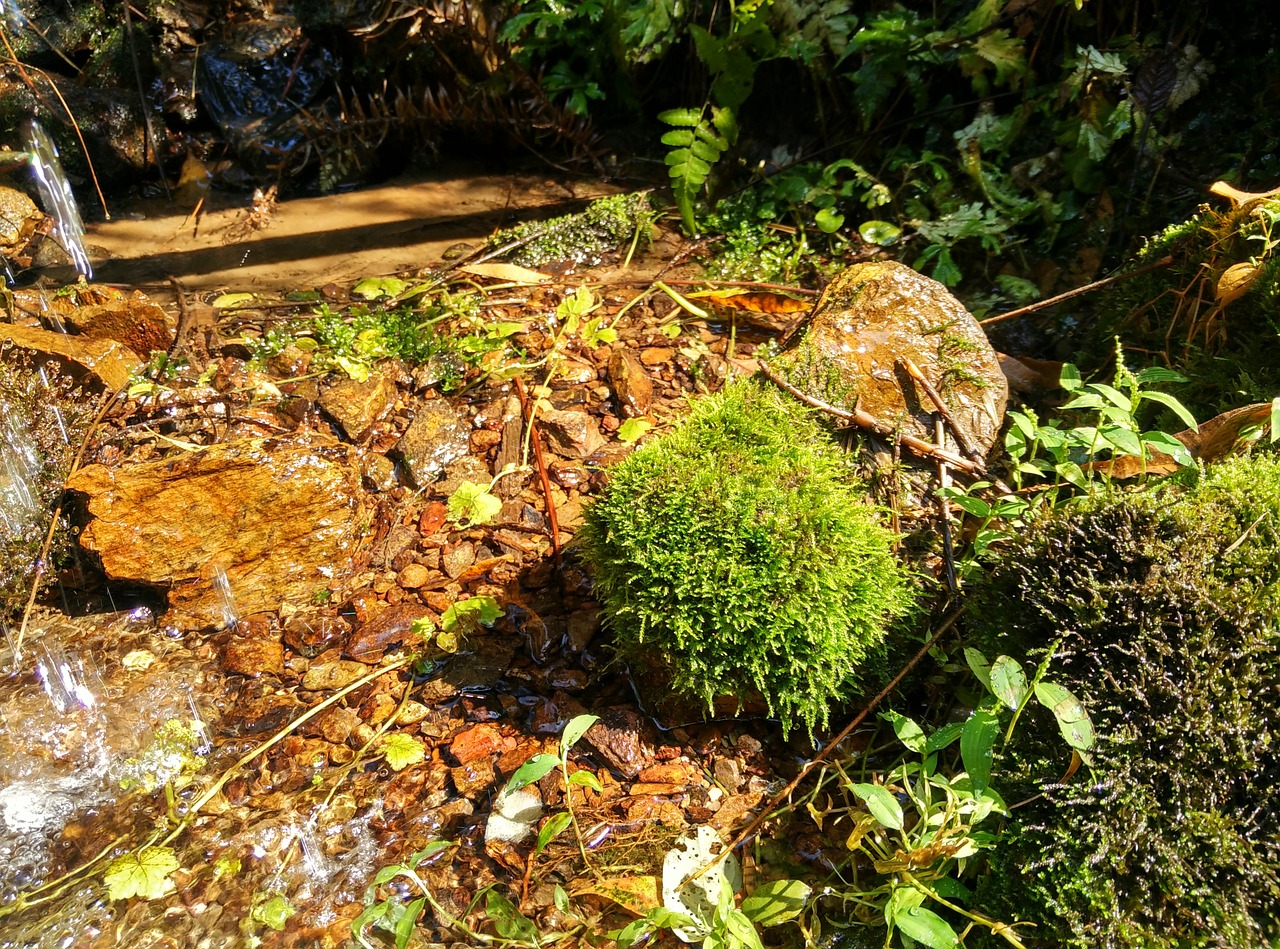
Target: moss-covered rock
{"points": [[1165, 610], [738, 553]]}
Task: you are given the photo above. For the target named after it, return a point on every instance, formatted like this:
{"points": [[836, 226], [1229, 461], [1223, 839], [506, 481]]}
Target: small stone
{"points": [[330, 676], [357, 405], [437, 437], [413, 576], [581, 628], [573, 434], [680, 773], [253, 656], [471, 779], [479, 741], [433, 518], [641, 788], [634, 389], [483, 440], [656, 355], [391, 627], [458, 558], [729, 773]]}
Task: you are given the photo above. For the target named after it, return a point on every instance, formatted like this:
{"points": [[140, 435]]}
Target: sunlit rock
{"points": [[873, 315], [280, 517], [112, 362]]}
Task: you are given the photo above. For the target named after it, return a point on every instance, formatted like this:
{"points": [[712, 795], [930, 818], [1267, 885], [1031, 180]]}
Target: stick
{"points": [[542, 471], [868, 421], [1078, 291], [962, 436]]}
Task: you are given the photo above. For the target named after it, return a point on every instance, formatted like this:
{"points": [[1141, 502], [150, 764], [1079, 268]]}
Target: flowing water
{"points": [[55, 190]]}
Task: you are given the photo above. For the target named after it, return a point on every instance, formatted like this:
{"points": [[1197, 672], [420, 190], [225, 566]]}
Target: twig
{"points": [[1078, 291], [962, 436], [944, 481], [542, 471], [831, 745], [866, 420]]}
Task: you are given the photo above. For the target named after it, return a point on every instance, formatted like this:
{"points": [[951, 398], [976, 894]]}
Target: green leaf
{"points": [[740, 931], [1073, 720], [908, 732], [145, 874], [926, 927], [633, 429], [1275, 420], [687, 118], [976, 744], [1114, 395], [552, 829], [1069, 378], [978, 663], [483, 610], [402, 751], [881, 233], [829, 220], [405, 924], [561, 898], [273, 912], [726, 123], [705, 151], [1170, 446], [944, 737], [472, 504], [1008, 681], [535, 769], [586, 779], [507, 920], [678, 137], [373, 287], [1174, 406], [776, 902], [880, 801], [418, 857], [575, 729], [227, 301]]}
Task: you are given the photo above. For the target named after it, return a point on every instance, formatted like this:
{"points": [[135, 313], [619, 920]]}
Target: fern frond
{"points": [[698, 140]]}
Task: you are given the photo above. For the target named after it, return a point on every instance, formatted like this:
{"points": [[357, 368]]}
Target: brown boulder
{"points": [[278, 516]]}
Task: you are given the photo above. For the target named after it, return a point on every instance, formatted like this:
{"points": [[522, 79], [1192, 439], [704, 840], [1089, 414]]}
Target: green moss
{"points": [[605, 226], [738, 553], [1166, 610]]}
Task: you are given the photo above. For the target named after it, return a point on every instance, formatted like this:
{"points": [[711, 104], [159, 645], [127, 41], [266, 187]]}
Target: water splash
{"points": [[19, 470], [226, 602], [69, 679], [55, 190]]}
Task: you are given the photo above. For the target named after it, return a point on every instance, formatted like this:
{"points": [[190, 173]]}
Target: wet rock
{"points": [[622, 738], [678, 773], [478, 741], [389, 628], [433, 517], [483, 661], [457, 558], [728, 772], [633, 389], [108, 360], [870, 316], [357, 405], [581, 628], [466, 468], [380, 473], [279, 516], [437, 437], [471, 779], [656, 355], [568, 475], [136, 322], [571, 433], [312, 633], [253, 657], [336, 674]]}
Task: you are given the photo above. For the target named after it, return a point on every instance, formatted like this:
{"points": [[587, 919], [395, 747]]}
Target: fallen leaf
{"points": [[145, 873], [753, 301], [1236, 281], [1238, 197], [638, 894], [508, 272], [1216, 439]]}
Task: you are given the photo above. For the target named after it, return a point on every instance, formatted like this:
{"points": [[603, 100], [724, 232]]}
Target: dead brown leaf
{"points": [[1216, 439], [753, 301]]}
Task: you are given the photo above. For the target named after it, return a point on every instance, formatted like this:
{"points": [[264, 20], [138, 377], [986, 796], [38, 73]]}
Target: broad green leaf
{"points": [[507, 920], [725, 122], [272, 912], [681, 137], [1116, 397], [976, 744], [944, 737], [1174, 406], [575, 729], [829, 220], [402, 751], [908, 732], [688, 118], [483, 610], [552, 829], [418, 857], [227, 301], [586, 779], [708, 153], [927, 927], [740, 930], [145, 874], [1123, 441], [881, 233], [1008, 681], [535, 769], [970, 505], [472, 504], [1170, 446], [880, 801], [1073, 720], [776, 902], [1275, 420], [561, 898], [629, 935], [1158, 374], [1069, 378], [978, 663], [633, 429]]}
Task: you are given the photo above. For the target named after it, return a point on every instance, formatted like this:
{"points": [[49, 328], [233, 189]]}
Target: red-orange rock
{"points": [[478, 741]]}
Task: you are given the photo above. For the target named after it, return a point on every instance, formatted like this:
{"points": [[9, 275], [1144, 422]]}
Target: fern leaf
{"points": [[680, 137], [681, 118]]}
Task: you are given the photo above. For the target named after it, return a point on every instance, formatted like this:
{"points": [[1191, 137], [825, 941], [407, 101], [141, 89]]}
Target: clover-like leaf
{"points": [[633, 429], [145, 874]]}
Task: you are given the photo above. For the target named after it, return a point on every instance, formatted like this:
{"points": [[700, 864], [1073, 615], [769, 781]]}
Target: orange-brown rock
{"points": [[280, 517], [479, 741], [136, 322], [110, 361]]}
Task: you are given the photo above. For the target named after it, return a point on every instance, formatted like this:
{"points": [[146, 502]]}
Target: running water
{"points": [[55, 190]]}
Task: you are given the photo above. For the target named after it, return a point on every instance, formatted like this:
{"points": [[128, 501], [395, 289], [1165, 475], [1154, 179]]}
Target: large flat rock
{"points": [[281, 518]]}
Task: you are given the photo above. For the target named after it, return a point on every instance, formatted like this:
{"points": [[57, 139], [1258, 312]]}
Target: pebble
{"points": [[413, 576]]}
